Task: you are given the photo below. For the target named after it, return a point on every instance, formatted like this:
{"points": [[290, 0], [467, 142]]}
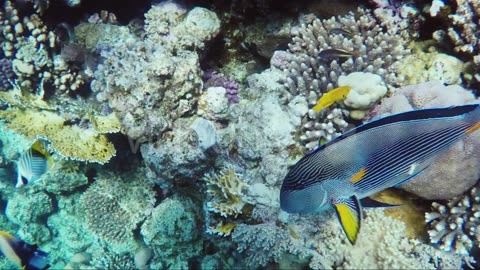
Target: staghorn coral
{"points": [[455, 225], [114, 205], [456, 170]]}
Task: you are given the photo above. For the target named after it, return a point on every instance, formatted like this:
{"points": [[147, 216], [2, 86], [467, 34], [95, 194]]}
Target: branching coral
{"points": [[373, 50], [29, 44], [226, 191], [455, 225]]}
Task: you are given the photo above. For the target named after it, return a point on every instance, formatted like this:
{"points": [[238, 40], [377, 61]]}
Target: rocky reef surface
{"points": [[172, 127]]}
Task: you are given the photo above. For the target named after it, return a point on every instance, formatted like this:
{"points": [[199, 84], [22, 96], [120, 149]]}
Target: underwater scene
{"points": [[240, 134]]}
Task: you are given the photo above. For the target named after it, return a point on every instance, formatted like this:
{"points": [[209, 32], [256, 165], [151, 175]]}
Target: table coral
{"points": [[455, 171]]}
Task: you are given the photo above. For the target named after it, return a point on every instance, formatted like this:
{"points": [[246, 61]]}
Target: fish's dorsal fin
{"points": [[368, 202], [349, 213]]}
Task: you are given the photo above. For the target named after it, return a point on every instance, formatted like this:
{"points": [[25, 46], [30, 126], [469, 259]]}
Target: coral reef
{"points": [[371, 48], [455, 225], [6, 74], [28, 44], [85, 141], [114, 205], [149, 83], [172, 233], [456, 170]]}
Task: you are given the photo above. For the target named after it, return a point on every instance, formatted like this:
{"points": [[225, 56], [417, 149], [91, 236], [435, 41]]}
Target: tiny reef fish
{"points": [[342, 31], [370, 158], [34, 163], [330, 54], [26, 256], [332, 96]]}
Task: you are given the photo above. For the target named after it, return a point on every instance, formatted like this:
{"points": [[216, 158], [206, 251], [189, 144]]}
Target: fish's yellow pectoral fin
{"points": [[349, 214]]}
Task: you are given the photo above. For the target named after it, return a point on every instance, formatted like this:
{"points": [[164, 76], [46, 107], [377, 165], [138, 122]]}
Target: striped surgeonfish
{"points": [[370, 158]]}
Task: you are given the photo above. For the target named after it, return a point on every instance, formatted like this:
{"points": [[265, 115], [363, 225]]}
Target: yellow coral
{"points": [[223, 229], [70, 141], [106, 124], [227, 189]]}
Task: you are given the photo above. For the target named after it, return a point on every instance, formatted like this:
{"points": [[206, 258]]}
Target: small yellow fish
{"points": [[26, 256], [331, 97]]}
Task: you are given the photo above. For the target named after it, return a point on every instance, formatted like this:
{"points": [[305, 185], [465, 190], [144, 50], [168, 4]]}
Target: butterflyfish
{"points": [[33, 163], [372, 157], [332, 96], [26, 256]]}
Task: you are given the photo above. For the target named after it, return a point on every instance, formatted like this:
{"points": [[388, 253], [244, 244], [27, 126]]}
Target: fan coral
{"points": [[455, 171], [455, 225]]}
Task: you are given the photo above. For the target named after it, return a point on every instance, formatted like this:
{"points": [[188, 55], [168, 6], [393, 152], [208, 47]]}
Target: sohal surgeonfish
{"points": [[370, 158], [34, 163], [26, 256]]}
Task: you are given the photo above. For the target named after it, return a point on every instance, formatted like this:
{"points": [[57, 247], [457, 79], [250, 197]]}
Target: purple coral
{"points": [[6, 74], [215, 79]]}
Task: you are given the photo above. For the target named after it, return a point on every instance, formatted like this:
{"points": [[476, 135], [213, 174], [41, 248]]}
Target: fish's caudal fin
{"points": [[349, 213]]}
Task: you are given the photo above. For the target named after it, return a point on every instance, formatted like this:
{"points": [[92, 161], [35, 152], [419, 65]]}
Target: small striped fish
{"points": [[384, 153], [34, 163]]}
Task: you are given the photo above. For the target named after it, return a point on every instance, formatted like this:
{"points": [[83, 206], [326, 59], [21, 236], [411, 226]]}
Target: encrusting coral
{"points": [[152, 82]]}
